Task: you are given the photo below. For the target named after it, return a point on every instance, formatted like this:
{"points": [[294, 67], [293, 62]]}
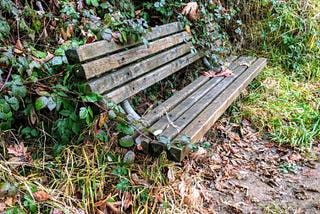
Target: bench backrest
{"points": [[120, 71]]}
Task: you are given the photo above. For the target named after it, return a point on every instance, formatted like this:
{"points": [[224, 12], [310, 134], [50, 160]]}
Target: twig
{"points": [[5, 82], [171, 123]]}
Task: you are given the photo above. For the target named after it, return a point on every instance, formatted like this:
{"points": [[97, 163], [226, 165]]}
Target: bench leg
{"points": [[129, 110]]}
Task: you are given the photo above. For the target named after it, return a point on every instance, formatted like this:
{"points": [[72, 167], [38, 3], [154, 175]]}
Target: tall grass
{"points": [[285, 99]]}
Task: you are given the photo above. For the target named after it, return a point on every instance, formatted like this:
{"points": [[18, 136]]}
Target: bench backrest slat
{"points": [[93, 50], [114, 79], [105, 64], [133, 87]]}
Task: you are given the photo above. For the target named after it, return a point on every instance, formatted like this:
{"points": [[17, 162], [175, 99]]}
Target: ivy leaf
{"points": [[19, 90], [125, 129], [126, 141], [51, 104], [57, 60], [41, 102], [13, 101]]}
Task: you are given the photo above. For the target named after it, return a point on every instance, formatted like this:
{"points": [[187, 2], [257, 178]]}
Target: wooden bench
{"points": [[120, 71]]}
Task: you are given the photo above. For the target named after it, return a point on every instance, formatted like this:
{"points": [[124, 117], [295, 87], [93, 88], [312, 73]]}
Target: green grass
{"points": [[285, 107]]}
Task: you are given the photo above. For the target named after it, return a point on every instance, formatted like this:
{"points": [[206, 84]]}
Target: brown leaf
{"points": [[127, 200], [41, 195], [17, 150], [294, 157], [170, 175], [209, 73], [139, 181], [42, 61], [90, 38], [191, 10], [56, 211], [137, 13], [116, 37], [19, 45], [2, 206], [225, 72], [198, 154], [63, 34], [69, 31]]}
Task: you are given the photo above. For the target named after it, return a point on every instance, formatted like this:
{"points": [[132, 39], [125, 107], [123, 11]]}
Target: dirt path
{"points": [[241, 173]]}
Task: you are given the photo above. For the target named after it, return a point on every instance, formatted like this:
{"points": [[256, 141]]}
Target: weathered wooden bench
{"points": [[120, 71]]}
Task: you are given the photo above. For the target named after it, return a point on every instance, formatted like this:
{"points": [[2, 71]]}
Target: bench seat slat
{"points": [[202, 123], [204, 93], [203, 102], [93, 50], [100, 66], [123, 75], [150, 118], [151, 78]]}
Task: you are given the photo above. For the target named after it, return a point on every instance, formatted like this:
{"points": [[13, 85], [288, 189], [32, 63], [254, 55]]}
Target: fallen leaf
{"points": [[116, 37], [20, 152], [69, 31], [2, 206], [17, 150], [294, 157], [19, 45], [139, 181], [191, 10], [225, 72], [137, 13], [56, 211], [170, 175], [90, 38], [41, 195], [17, 51], [188, 28], [198, 154], [63, 34], [209, 73], [182, 188], [127, 200]]}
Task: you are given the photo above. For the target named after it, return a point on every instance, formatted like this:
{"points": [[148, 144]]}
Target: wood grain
{"points": [[133, 87], [187, 111], [202, 123], [100, 66], [93, 50], [114, 79]]}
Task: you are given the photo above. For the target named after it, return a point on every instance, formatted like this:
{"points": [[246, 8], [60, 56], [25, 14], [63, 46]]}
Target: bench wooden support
{"points": [[120, 71]]}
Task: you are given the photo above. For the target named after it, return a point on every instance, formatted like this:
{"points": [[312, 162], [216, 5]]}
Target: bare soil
{"points": [[242, 173]]}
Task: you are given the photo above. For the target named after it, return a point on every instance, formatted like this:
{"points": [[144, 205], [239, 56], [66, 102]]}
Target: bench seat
{"points": [[120, 71], [191, 112]]}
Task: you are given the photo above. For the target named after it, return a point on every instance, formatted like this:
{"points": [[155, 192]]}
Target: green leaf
{"points": [[91, 97], [83, 113], [39, 54], [57, 60], [4, 189], [125, 129], [14, 103], [126, 141], [41, 102], [51, 104], [19, 91]]}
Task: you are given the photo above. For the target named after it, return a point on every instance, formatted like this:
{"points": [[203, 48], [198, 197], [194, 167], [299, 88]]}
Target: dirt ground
{"points": [[242, 173]]}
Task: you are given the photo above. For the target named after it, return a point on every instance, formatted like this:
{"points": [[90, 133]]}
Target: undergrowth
{"points": [[53, 142]]}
